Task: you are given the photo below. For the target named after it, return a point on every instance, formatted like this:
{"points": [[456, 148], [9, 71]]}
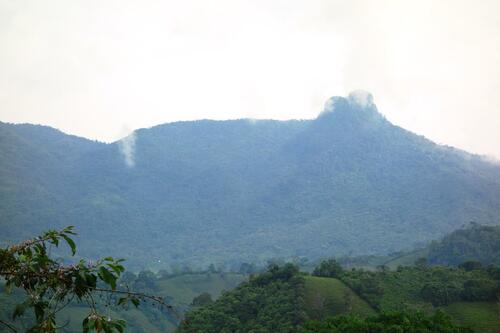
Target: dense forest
{"points": [[410, 299], [224, 192], [475, 243]]}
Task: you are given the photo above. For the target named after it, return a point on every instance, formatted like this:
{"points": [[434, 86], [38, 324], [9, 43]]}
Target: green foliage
{"points": [[482, 316], [367, 284], [49, 286], [468, 247], [258, 304], [411, 287], [481, 289], [202, 299], [269, 302], [441, 293], [470, 265], [394, 322], [328, 268]]}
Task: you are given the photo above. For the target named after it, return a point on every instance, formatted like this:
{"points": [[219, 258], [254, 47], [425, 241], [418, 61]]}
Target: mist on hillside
{"points": [[249, 167]]}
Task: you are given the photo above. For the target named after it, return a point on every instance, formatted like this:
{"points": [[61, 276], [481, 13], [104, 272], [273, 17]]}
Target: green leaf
{"points": [[107, 277], [117, 268], [39, 310], [85, 325], [71, 244], [120, 325], [135, 301], [19, 310], [69, 230]]}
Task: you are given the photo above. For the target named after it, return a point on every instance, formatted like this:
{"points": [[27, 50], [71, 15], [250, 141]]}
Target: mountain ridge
{"points": [[207, 191]]}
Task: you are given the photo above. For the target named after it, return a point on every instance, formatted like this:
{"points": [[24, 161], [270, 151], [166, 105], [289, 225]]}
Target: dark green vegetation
{"points": [[268, 302], [470, 297], [387, 323], [328, 268], [477, 243], [284, 300], [415, 287], [204, 192], [473, 246]]}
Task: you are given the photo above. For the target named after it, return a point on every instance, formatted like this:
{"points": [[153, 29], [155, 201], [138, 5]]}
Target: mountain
{"points": [[206, 191]]}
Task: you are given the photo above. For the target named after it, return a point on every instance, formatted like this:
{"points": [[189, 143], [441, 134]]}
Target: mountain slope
{"points": [[228, 191]]}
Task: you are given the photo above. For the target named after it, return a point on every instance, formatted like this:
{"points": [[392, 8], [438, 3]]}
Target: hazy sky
{"points": [[101, 68]]}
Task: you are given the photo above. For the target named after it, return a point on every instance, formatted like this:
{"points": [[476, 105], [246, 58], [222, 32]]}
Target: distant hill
{"points": [[200, 192], [475, 243], [284, 300]]}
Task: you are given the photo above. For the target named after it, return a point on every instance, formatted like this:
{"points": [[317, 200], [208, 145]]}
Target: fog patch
{"points": [[329, 105], [490, 159], [127, 149], [361, 98], [252, 121]]}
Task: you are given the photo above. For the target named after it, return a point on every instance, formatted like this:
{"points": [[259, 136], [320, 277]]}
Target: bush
{"points": [[480, 290], [440, 293], [386, 323], [470, 265], [328, 268]]}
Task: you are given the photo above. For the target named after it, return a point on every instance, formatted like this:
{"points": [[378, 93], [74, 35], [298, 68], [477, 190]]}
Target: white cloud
{"points": [[361, 98]]}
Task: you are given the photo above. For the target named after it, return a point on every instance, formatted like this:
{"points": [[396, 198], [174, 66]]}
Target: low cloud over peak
{"points": [[357, 99]]}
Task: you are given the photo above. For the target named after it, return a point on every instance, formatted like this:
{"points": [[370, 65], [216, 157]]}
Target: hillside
{"points": [[282, 299], [206, 191], [329, 296], [178, 290], [475, 243]]}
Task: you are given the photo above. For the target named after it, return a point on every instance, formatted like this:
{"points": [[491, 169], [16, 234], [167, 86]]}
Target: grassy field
{"points": [[328, 296], [406, 259], [184, 288], [483, 317]]}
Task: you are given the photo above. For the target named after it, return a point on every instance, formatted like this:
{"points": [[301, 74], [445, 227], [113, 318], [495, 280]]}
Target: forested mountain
{"points": [[244, 190]]}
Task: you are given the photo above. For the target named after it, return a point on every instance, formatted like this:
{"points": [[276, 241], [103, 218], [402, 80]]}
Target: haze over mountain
{"points": [[244, 190]]}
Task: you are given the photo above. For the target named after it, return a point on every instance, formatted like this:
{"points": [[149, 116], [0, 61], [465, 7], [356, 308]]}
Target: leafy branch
{"points": [[50, 286]]}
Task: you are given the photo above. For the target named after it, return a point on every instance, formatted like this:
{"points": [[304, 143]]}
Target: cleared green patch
{"points": [[406, 259], [328, 296], [182, 289], [483, 317]]}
